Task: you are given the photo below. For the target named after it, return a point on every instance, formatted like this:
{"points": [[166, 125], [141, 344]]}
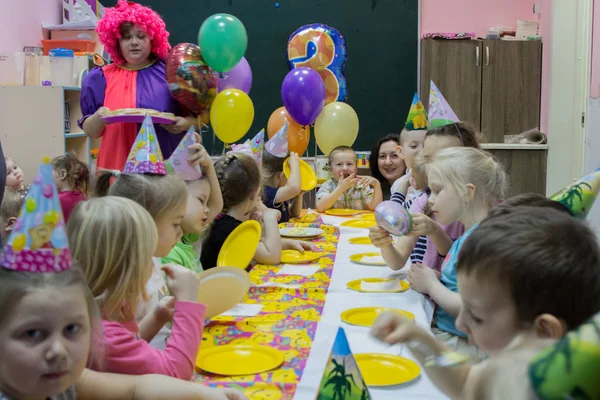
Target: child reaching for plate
{"points": [[110, 237], [15, 178], [507, 306], [345, 189], [239, 178], [71, 177]]}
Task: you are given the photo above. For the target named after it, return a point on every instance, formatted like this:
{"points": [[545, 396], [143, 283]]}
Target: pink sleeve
{"points": [[418, 204], [126, 354]]}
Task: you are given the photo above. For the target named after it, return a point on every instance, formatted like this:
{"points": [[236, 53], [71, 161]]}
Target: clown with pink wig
{"points": [[137, 41]]}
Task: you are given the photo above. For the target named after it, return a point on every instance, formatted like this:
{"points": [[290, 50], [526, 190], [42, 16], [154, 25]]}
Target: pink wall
{"points": [[595, 70], [21, 22], [473, 15]]}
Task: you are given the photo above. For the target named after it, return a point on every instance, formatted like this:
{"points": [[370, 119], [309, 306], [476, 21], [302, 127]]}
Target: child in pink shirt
{"points": [[71, 177], [113, 239]]}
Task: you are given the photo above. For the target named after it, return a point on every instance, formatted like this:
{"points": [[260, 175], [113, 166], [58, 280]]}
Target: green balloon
{"points": [[223, 41]]}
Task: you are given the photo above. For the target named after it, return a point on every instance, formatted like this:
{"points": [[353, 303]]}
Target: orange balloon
{"points": [[298, 135]]}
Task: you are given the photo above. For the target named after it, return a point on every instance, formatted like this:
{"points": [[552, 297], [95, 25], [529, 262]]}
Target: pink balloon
{"points": [[240, 77]]}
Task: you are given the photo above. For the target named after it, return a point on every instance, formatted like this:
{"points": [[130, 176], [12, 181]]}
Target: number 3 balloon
{"points": [[323, 49]]}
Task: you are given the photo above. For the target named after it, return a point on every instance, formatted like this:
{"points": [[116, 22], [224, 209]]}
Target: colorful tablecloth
{"points": [[287, 321]]}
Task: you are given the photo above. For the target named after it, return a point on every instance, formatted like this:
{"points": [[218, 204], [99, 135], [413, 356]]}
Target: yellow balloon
{"points": [[231, 115], [337, 125]]}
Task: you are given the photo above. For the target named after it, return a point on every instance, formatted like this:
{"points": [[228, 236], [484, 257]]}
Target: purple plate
{"points": [[137, 119]]}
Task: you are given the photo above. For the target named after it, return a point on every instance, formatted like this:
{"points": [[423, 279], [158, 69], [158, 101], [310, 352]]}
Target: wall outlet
{"points": [[537, 7]]}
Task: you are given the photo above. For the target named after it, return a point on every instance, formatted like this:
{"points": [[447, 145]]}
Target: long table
{"points": [[302, 322]]}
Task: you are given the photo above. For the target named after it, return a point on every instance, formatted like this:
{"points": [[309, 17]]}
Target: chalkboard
{"points": [[381, 40]]}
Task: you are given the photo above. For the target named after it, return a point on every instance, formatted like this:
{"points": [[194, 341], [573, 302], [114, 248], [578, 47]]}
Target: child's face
{"points": [[169, 230], [433, 144], [196, 212], [14, 175], [412, 142], [487, 314], [45, 343], [389, 162], [342, 163], [445, 203]]}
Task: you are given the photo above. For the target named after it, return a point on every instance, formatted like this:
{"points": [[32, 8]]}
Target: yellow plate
{"points": [[356, 285], [240, 359], [295, 257], [360, 240], [386, 369], [365, 223], [221, 289], [365, 316], [370, 216], [240, 246], [358, 259], [343, 212], [308, 178]]}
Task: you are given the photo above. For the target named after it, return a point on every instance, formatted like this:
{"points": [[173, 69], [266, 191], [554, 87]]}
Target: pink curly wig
{"points": [[108, 29]]}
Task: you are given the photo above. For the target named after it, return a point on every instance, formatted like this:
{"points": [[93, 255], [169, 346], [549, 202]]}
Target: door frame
{"points": [[570, 47]]}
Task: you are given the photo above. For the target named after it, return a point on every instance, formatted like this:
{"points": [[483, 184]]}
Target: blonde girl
{"points": [[465, 184], [165, 198], [279, 192], [110, 238], [429, 241], [240, 181], [47, 330]]}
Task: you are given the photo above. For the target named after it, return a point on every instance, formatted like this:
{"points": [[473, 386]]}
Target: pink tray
{"points": [[138, 119]]}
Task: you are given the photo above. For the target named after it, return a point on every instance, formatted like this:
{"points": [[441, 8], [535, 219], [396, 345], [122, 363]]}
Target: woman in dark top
{"points": [[385, 162]]}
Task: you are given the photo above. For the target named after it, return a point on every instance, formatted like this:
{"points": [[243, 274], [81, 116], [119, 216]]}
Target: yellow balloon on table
{"points": [[231, 115], [337, 125]]}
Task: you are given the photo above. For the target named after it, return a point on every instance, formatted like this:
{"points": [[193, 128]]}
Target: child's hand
{"points": [[163, 312], [182, 282], [422, 225], [199, 156], [380, 237], [404, 182], [348, 182], [366, 181], [294, 161], [209, 393], [271, 213], [393, 328], [421, 278], [300, 245]]}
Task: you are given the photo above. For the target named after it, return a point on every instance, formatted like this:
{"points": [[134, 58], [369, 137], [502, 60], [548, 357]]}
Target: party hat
{"points": [[565, 369], [417, 116], [342, 378], [38, 242], [252, 147], [579, 196], [178, 163], [278, 145], [440, 112], [145, 156]]}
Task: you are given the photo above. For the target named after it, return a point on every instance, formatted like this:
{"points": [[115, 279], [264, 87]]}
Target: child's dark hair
{"points": [[549, 261], [465, 132], [11, 204], [374, 156], [526, 199], [156, 193], [78, 173], [239, 178], [271, 165]]}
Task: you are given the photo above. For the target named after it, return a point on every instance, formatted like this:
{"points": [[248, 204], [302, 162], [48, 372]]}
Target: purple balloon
{"points": [[240, 77], [303, 95]]}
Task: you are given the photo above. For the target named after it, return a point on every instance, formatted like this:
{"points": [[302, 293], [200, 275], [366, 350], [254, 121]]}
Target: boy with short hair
{"points": [[529, 270], [345, 189]]}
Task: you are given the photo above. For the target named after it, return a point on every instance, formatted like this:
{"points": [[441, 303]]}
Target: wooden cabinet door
{"points": [[526, 170], [455, 67], [511, 87]]}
